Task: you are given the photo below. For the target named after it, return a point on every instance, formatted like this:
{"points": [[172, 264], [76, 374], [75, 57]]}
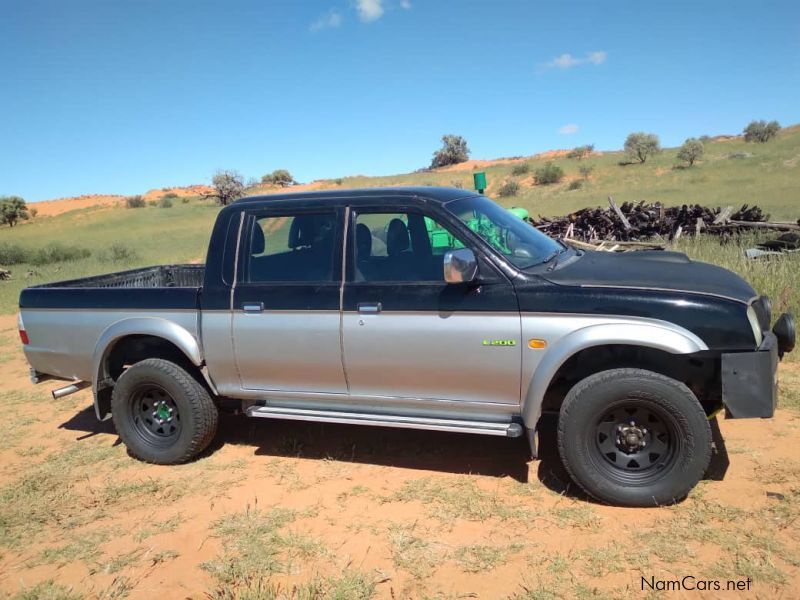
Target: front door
{"points": [[286, 319], [409, 334]]}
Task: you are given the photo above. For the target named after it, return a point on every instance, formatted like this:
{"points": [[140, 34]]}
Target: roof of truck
{"points": [[436, 194]]}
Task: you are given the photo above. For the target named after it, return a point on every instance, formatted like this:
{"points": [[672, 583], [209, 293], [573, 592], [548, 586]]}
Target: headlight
{"points": [[752, 316]]}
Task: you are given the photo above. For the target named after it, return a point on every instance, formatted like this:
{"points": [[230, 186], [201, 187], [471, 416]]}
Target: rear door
{"points": [[286, 317], [409, 334]]}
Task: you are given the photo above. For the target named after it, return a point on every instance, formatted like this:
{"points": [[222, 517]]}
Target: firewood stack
{"points": [[648, 222]]}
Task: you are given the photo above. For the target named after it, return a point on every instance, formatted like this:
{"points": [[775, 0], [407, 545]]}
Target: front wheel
{"points": [[633, 437], [162, 413]]}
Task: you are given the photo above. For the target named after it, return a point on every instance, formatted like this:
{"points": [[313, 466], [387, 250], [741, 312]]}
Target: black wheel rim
{"points": [[155, 415], [635, 442]]}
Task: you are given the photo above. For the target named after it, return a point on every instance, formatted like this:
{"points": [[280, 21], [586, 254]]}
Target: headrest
{"points": [[363, 241], [397, 238], [302, 231], [257, 242]]}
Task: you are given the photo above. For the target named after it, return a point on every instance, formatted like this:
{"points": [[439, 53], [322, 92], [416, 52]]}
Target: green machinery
{"points": [[442, 241]]}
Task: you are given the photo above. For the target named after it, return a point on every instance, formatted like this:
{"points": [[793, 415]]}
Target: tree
{"points": [[453, 151], [640, 145], [12, 210], [280, 177], [228, 186], [761, 131], [549, 173], [691, 150]]}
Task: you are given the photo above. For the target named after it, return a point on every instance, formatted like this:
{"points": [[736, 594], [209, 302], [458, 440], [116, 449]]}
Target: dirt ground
{"points": [[283, 509]]}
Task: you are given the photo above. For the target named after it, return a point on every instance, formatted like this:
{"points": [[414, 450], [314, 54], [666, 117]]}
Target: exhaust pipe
{"points": [[70, 389]]}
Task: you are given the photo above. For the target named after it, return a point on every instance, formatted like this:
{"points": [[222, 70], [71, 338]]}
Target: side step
{"points": [[325, 416]]}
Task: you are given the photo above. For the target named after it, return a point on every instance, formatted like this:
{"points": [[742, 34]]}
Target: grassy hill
{"points": [[732, 172]]}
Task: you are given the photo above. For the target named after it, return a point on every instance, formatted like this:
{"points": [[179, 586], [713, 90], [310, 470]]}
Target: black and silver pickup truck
{"points": [[424, 308]]}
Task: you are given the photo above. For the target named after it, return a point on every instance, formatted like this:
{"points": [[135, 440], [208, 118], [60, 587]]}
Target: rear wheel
{"points": [[633, 437], [162, 413]]}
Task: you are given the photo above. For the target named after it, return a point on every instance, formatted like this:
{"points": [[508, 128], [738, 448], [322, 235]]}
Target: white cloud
{"points": [[567, 61], [369, 10], [405, 4], [568, 129], [597, 58], [329, 20]]}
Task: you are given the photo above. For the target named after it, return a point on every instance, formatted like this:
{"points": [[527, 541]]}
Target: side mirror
{"points": [[460, 266]]}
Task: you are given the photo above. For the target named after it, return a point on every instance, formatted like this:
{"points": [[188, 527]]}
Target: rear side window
{"points": [[290, 248]]}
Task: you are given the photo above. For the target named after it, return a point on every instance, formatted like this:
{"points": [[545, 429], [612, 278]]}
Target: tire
{"points": [[162, 413], [632, 437]]}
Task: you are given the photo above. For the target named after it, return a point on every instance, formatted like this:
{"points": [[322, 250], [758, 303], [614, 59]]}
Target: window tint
{"points": [[400, 247], [292, 248]]}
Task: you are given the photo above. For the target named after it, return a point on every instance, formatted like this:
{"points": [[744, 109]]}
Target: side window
{"points": [[292, 248], [400, 247]]}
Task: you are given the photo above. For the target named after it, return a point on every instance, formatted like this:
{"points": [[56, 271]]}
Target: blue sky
{"points": [[119, 96]]}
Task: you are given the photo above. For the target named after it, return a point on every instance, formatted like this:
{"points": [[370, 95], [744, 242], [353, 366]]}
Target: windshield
{"points": [[521, 243]]}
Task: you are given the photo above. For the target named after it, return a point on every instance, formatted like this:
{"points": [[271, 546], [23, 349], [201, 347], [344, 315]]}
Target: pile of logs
{"points": [[645, 224]]}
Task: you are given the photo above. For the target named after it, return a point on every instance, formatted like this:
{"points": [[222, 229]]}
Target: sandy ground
{"points": [[422, 514]]}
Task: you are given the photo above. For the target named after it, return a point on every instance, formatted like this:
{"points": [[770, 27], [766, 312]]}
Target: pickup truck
{"points": [[428, 308]]}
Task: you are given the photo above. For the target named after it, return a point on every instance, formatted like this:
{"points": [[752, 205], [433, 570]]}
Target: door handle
{"points": [[369, 308], [253, 307]]}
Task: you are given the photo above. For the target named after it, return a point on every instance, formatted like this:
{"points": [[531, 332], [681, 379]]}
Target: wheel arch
{"points": [[667, 339], [139, 338]]}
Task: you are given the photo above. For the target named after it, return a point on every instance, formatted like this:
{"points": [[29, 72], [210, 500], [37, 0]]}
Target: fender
{"points": [[660, 336], [154, 326]]}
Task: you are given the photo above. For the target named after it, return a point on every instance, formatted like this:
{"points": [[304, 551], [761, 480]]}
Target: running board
{"points": [[348, 418]]}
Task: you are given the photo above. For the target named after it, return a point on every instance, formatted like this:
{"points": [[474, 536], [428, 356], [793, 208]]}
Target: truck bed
{"points": [[167, 276], [161, 286]]}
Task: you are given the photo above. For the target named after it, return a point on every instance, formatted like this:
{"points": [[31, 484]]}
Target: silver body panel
{"points": [[411, 364], [430, 355], [288, 351]]}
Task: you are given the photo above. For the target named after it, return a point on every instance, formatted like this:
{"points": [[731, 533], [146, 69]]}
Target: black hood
{"points": [[650, 270]]}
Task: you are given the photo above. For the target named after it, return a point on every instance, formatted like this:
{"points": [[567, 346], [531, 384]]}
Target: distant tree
{"points": [[761, 131], [549, 173], [691, 150], [581, 152], [228, 186], [453, 151], [12, 210], [34, 212], [280, 177], [640, 145]]}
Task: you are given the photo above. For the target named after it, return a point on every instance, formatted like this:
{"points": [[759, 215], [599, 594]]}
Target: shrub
{"points": [[13, 254], [453, 151], [739, 155], [12, 210], [575, 184], [691, 150], [34, 212], [640, 145], [580, 152], [457, 184], [761, 131], [165, 202], [280, 177], [705, 138], [117, 253], [338, 181], [520, 169], [153, 203], [509, 188], [549, 173], [185, 200], [55, 252], [171, 195], [586, 170], [134, 202]]}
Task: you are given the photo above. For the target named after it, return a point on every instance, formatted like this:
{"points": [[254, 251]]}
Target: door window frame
{"points": [[245, 237], [396, 209]]}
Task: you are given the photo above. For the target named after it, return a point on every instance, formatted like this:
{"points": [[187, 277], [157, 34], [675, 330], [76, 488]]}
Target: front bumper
{"points": [[749, 381]]}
